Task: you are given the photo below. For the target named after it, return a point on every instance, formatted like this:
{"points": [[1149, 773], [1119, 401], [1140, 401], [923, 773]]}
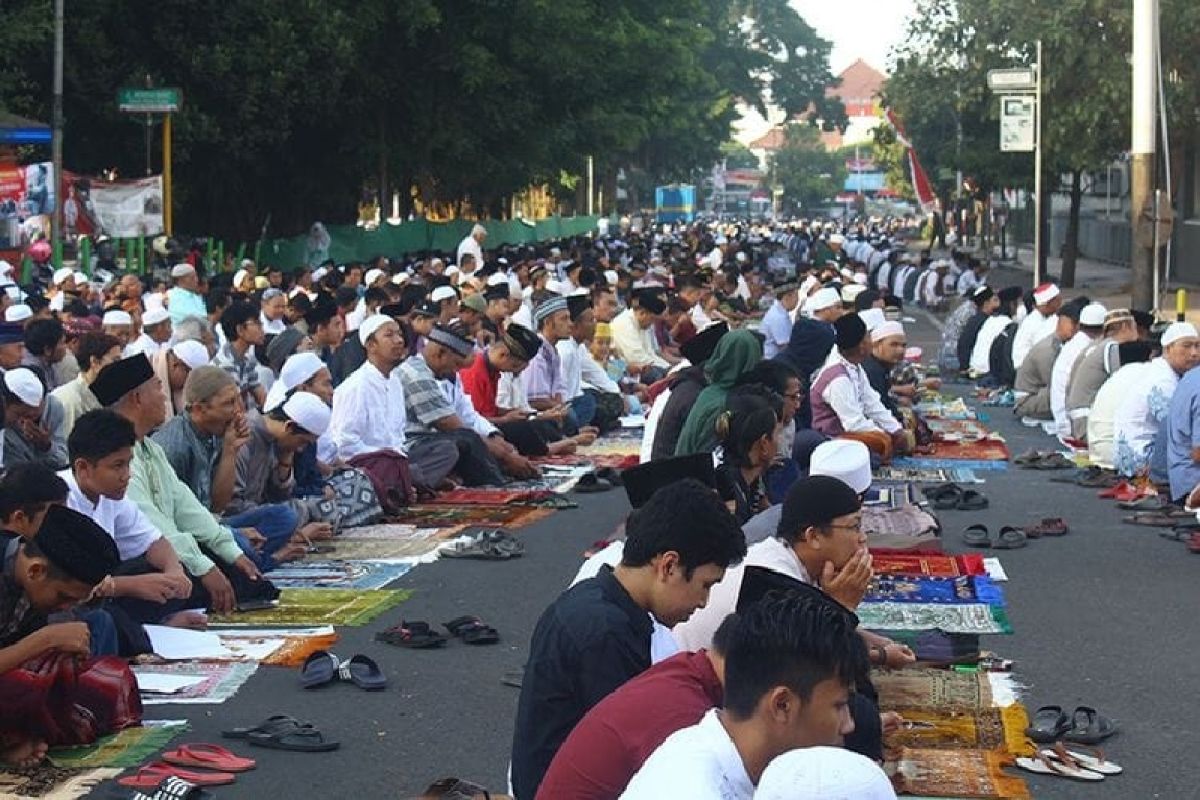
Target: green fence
{"points": [[352, 243]]}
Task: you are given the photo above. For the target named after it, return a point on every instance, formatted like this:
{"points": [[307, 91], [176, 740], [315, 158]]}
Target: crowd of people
{"points": [[169, 439]]}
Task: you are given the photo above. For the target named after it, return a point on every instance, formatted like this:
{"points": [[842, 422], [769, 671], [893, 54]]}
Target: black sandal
{"points": [[592, 483], [277, 722], [1088, 726], [414, 635], [297, 740], [971, 500], [1048, 724], [472, 630]]}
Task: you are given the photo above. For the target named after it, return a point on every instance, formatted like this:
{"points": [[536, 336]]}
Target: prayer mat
{"points": [[911, 521], [221, 681], [934, 648], [49, 782], [963, 618], [337, 574], [956, 474], [318, 607], [412, 551], [945, 408], [473, 516], [962, 589], [967, 429], [984, 450], [892, 541], [923, 463], [982, 729], [485, 496], [128, 748], [890, 495], [956, 773], [296, 650], [935, 690], [618, 462], [934, 565], [614, 446], [289, 646]]}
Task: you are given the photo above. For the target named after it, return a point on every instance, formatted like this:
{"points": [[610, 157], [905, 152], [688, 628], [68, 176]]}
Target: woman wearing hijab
{"points": [[735, 354]]}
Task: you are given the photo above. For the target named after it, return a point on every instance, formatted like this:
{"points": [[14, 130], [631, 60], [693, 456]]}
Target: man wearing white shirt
{"points": [[156, 332], [582, 376], [790, 664], [633, 336], [472, 244], [274, 307], [1091, 325], [1040, 322]]}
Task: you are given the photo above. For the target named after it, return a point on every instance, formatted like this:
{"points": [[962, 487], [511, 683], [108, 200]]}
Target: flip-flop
{"points": [[1153, 502], [299, 740], [946, 498], [930, 491], [476, 548], [207, 756], [1118, 491], [152, 775], [472, 630], [503, 540], [1041, 765], [1092, 760], [977, 536], [611, 475], [1053, 460], [1100, 479], [1049, 526], [174, 788], [1152, 519], [1010, 538], [413, 635], [972, 500], [590, 484], [1027, 458], [363, 672], [1048, 724], [1177, 534], [1088, 726], [277, 722], [319, 669]]}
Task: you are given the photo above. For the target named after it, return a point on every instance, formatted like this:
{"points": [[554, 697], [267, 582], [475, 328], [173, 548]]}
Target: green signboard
{"points": [[149, 101]]}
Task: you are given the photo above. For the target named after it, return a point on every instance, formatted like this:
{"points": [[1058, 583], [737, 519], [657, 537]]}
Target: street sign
{"points": [[149, 101], [1012, 80], [1017, 123]]}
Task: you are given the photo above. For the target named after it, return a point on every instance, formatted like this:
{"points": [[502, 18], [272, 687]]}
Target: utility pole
{"points": [[1142, 154], [1042, 214], [56, 154]]}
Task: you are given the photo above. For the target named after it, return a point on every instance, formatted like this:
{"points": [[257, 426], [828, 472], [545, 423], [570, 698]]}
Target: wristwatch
{"points": [[882, 652]]}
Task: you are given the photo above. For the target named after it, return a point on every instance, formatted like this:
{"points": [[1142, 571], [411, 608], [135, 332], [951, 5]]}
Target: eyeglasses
{"points": [[855, 527], [798, 396]]}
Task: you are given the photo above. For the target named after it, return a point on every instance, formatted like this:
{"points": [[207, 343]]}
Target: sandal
{"points": [[1049, 526], [277, 722], [152, 776], [610, 474], [1048, 724], [1153, 519], [493, 545], [319, 669], [208, 756], [1092, 760], [414, 635], [1178, 534], [472, 630], [590, 484], [1010, 538], [1088, 726], [971, 500], [298, 740], [363, 672], [1053, 460], [1099, 479], [946, 497], [1040, 765], [174, 788], [1026, 459], [977, 536], [1153, 502]]}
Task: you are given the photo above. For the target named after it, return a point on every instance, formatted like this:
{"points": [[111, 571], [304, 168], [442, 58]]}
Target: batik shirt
{"points": [[958, 319], [1139, 416]]}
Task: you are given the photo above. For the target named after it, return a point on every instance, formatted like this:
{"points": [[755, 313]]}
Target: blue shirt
{"points": [[1183, 434], [777, 326]]}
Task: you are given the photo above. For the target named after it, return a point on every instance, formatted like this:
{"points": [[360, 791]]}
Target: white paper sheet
{"points": [[181, 644], [157, 683], [633, 422], [994, 570]]}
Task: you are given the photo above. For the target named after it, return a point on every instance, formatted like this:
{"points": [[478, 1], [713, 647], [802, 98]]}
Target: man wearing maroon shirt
{"points": [[611, 742]]}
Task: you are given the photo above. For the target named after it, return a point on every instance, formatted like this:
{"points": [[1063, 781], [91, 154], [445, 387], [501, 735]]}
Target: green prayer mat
{"points": [[319, 607], [128, 748], [965, 618]]}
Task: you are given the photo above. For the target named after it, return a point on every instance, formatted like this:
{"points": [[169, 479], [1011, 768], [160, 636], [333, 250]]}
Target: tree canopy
{"points": [[292, 108], [809, 175]]}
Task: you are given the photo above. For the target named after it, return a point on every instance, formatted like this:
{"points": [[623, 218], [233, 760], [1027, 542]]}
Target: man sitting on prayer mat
{"points": [[1134, 359], [844, 404], [1038, 324], [1032, 387], [543, 380], [1091, 324], [791, 665], [1148, 404], [587, 387], [369, 422], [150, 578], [596, 635], [62, 565], [439, 410], [1098, 361], [34, 429]]}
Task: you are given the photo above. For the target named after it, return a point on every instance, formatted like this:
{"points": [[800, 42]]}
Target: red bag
{"points": [[63, 700]]}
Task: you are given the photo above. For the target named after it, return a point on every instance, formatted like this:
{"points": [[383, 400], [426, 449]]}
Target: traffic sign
{"points": [[1012, 80], [149, 101], [1017, 123]]}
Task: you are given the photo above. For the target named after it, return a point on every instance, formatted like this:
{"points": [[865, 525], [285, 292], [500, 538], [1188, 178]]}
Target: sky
{"points": [[864, 29]]}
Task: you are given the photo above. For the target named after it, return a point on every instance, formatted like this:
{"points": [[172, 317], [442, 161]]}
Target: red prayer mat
{"points": [[487, 497], [934, 565], [986, 450]]}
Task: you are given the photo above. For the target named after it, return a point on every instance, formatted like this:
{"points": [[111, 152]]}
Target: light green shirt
{"points": [[176, 512]]}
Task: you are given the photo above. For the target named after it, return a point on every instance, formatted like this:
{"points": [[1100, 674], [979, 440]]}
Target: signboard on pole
{"points": [[149, 101], [1017, 123]]}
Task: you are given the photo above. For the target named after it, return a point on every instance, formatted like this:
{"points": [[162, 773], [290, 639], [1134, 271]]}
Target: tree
{"points": [[809, 175], [737, 156]]}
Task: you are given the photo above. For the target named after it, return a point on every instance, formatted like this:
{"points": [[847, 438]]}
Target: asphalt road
{"points": [[1103, 617]]}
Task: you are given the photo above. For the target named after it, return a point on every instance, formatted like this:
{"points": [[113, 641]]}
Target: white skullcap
{"points": [[17, 313], [873, 317], [152, 301], [837, 238], [451, 271], [299, 367], [443, 293], [846, 272], [436, 261], [885, 330], [25, 385], [497, 279], [845, 459], [155, 316], [554, 251], [400, 277], [372, 324], [320, 272], [309, 412], [373, 274], [824, 298], [852, 290], [116, 317], [61, 274], [860, 278], [477, 229], [823, 773], [240, 276], [611, 277], [191, 352], [5, 268], [180, 270], [1176, 331], [1093, 315], [554, 286], [81, 277], [247, 263], [1045, 293]]}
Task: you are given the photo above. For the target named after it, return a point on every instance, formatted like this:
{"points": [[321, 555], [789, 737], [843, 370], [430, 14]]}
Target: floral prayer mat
{"points": [[497, 516], [499, 496], [318, 607], [983, 729], [951, 474], [949, 463], [350, 546], [221, 681], [910, 521], [616, 461], [935, 565], [296, 650], [128, 748], [964, 589], [337, 574], [49, 782], [983, 450], [965, 618], [956, 773], [932, 690], [889, 495]]}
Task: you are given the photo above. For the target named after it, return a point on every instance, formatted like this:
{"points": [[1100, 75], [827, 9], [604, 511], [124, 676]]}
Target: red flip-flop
{"points": [[151, 775], [208, 756]]}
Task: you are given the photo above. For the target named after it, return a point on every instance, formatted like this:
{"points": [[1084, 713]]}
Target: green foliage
{"points": [[738, 156], [291, 107], [809, 175]]}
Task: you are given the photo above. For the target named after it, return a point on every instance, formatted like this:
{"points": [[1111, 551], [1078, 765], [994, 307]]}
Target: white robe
{"points": [[368, 413], [1060, 378], [1035, 327]]}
